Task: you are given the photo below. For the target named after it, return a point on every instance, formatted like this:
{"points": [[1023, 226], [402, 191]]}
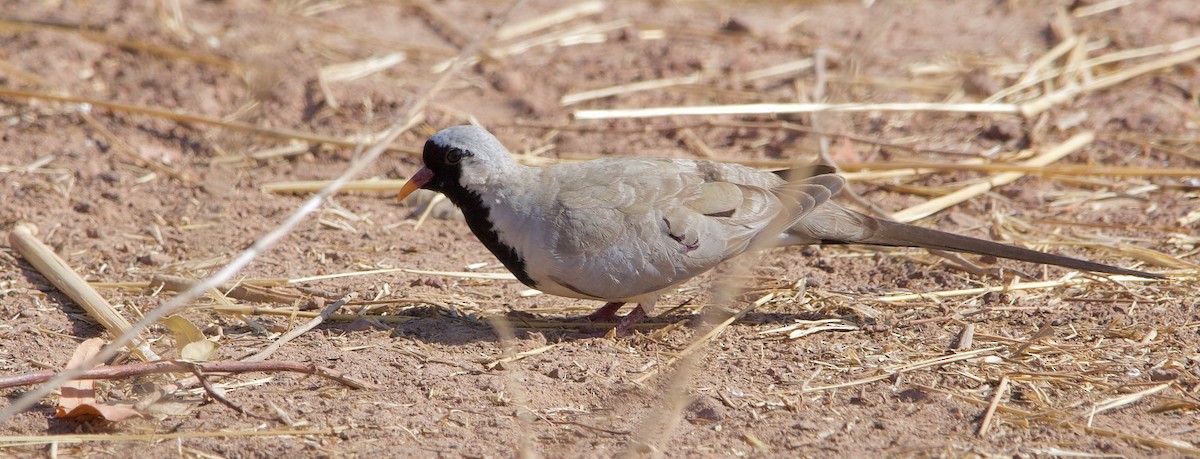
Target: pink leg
{"points": [[606, 313], [626, 324]]}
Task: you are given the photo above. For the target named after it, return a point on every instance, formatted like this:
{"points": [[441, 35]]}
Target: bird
{"points": [[629, 229]]}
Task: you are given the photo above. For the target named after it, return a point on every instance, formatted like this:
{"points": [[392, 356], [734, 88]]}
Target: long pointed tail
{"points": [[834, 225]]}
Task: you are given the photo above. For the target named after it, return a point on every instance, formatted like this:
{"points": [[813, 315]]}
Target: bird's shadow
{"points": [[433, 325], [438, 325]]}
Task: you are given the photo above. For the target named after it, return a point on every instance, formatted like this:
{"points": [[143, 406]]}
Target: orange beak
{"points": [[417, 181]]}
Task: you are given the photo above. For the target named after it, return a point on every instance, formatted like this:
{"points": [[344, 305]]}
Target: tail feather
{"points": [[911, 235], [845, 226]]}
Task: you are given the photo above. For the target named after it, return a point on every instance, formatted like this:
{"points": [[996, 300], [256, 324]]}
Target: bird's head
{"points": [[466, 156]]}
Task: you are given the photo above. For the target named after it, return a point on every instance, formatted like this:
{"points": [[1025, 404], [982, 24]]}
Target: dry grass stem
{"points": [[559, 16], [1055, 420], [1117, 402], [350, 71], [429, 208], [648, 85], [779, 70], [1117, 355], [508, 357], [295, 148], [776, 109], [894, 370], [254, 310], [586, 33], [243, 291], [312, 186], [1072, 90], [1050, 155], [178, 366], [20, 440], [134, 45], [1123, 75], [302, 280], [222, 299], [1135, 53], [880, 169], [170, 282], [1016, 286], [466, 275], [25, 240], [277, 133], [986, 423], [866, 171], [707, 336], [311, 324], [1099, 7], [1058, 51], [37, 166], [802, 328], [1033, 74]]}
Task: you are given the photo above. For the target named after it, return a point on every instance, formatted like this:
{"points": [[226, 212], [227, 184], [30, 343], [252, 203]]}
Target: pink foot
{"points": [[626, 323], [606, 313]]}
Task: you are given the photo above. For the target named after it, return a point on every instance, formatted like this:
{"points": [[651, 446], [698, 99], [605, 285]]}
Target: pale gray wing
{"points": [[610, 236], [636, 226], [753, 205]]}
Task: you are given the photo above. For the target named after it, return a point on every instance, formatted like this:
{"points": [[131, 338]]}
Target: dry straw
{"points": [[24, 238]]}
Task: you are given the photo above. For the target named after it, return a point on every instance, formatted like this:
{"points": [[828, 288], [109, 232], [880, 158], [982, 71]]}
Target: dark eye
{"points": [[455, 155]]}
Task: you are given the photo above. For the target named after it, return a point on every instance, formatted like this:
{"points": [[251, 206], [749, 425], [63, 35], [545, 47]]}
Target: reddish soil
{"points": [[123, 196]]}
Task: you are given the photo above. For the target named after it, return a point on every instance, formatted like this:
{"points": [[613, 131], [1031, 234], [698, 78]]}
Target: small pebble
{"points": [[154, 259], [1160, 374]]}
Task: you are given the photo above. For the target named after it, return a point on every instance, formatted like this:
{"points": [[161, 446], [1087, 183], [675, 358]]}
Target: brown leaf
{"points": [[79, 392], [79, 396], [112, 413]]}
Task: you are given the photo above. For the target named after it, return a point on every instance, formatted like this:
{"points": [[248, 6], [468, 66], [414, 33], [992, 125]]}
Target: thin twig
{"points": [[212, 392], [266, 352], [177, 366]]}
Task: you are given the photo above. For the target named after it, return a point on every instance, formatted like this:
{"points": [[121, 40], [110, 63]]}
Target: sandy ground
{"points": [[1104, 369]]}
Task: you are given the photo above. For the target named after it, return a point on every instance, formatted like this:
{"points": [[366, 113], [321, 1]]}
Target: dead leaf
{"points": [[79, 396], [189, 339]]}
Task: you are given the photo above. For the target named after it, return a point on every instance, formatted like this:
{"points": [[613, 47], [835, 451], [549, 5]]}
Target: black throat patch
{"points": [[478, 218]]}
